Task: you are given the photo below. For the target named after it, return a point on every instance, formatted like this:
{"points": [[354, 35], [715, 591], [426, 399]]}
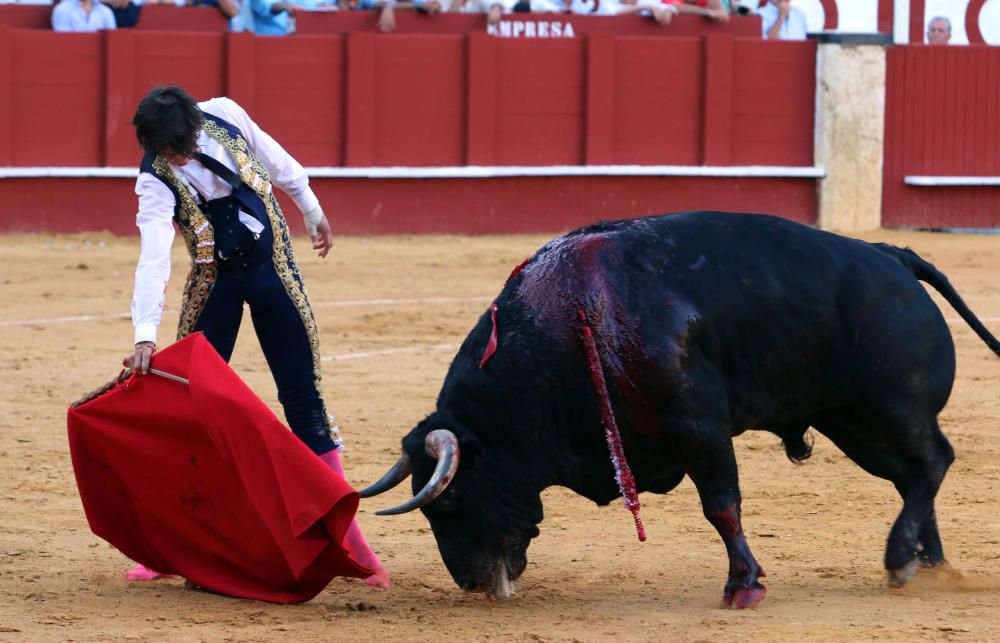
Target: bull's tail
{"points": [[926, 272]]}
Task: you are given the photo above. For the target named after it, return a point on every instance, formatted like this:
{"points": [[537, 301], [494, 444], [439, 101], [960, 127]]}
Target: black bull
{"points": [[706, 325]]}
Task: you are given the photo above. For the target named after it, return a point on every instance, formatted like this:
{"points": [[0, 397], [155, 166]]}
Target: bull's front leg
{"points": [[743, 589], [711, 464]]}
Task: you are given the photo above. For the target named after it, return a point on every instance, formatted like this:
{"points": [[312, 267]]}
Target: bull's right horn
{"points": [[399, 472], [443, 445]]}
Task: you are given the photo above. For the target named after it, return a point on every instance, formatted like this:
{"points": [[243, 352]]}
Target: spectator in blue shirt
{"points": [[82, 15], [386, 9], [229, 8], [274, 17]]}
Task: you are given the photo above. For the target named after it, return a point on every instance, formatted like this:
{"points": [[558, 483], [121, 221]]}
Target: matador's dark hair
{"points": [[168, 120]]}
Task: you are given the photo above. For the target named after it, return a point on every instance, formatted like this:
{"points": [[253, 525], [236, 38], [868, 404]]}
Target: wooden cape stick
{"points": [[124, 375]]}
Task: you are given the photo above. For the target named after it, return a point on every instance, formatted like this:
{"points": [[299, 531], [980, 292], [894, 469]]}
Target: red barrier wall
{"points": [[370, 100], [366, 99], [942, 110], [26, 16]]}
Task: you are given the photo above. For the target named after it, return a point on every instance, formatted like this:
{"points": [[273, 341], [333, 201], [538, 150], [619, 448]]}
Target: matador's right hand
{"points": [[139, 360]]}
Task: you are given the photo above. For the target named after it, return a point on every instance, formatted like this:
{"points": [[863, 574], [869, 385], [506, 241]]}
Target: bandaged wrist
{"points": [[312, 219]]}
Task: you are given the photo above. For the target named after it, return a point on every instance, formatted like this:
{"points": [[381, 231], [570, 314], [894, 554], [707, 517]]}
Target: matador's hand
{"points": [[139, 360], [323, 239]]}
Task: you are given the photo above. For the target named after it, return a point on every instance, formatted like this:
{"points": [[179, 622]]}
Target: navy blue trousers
{"points": [[283, 338]]}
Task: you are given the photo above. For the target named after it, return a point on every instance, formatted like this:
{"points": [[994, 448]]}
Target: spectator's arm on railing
{"points": [[229, 8], [662, 13], [715, 10], [278, 7], [773, 31]]}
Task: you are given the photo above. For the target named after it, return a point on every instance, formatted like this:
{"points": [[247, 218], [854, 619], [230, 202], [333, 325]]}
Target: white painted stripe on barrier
{"points": [[490, 171], [460, 172], [951, 181], [387, 351]]}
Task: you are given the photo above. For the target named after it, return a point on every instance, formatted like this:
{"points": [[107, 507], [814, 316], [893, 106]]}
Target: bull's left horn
{"points": [[443, 445], [399, 472]]}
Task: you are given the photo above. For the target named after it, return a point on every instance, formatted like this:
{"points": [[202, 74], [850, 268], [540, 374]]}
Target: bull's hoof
{"points": [[744, 597], [899, 577]]}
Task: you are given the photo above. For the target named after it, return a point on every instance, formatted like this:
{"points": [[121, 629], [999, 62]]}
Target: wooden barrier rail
{"points": [[366, 100], [942, 146], [370, 100]]}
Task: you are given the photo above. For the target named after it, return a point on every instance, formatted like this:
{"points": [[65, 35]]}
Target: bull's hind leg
{"points": [[914, 536], [706, 452], [914, 456]]}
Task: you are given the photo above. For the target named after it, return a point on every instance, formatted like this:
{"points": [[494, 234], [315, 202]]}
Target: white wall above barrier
{"points": [[861, 16]]}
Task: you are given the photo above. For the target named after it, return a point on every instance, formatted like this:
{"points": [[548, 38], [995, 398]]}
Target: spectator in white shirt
{"points": [[662, 11], [781, 21], [82, 15], [493, 9]]}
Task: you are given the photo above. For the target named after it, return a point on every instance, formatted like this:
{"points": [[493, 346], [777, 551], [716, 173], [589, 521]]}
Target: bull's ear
{"points": [[413, 443], [469, 444], [468, 441]]}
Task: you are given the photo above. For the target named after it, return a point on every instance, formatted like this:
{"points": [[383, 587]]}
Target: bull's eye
{"points": [[449, 496], [447, 502]]}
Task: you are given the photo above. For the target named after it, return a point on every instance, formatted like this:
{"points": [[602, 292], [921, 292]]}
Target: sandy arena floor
{"points": [[392, 312]]}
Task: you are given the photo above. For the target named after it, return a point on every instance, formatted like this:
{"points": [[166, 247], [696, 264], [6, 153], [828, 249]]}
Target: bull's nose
{"points": [[471, 586]]}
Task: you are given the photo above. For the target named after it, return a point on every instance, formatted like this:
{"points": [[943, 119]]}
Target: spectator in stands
{"points": [[229, 8], [274, 17], [781, 21], [938, 31], [387, 9], [660, 10], [126, 12], [82, 15], [492, 8], [714, 9]]}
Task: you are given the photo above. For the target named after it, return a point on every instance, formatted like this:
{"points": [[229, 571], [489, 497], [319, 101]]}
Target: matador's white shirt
{"points": [[156, 206]]}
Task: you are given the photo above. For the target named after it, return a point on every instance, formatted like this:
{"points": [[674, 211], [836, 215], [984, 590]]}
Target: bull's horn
{"points": [[443, 445], [399, 472]]}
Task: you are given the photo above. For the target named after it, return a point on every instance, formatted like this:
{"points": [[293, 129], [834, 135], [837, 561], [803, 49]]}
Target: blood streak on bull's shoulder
{"points": [[566, 283], [572, 272], [623, 472], [552, 281]]}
